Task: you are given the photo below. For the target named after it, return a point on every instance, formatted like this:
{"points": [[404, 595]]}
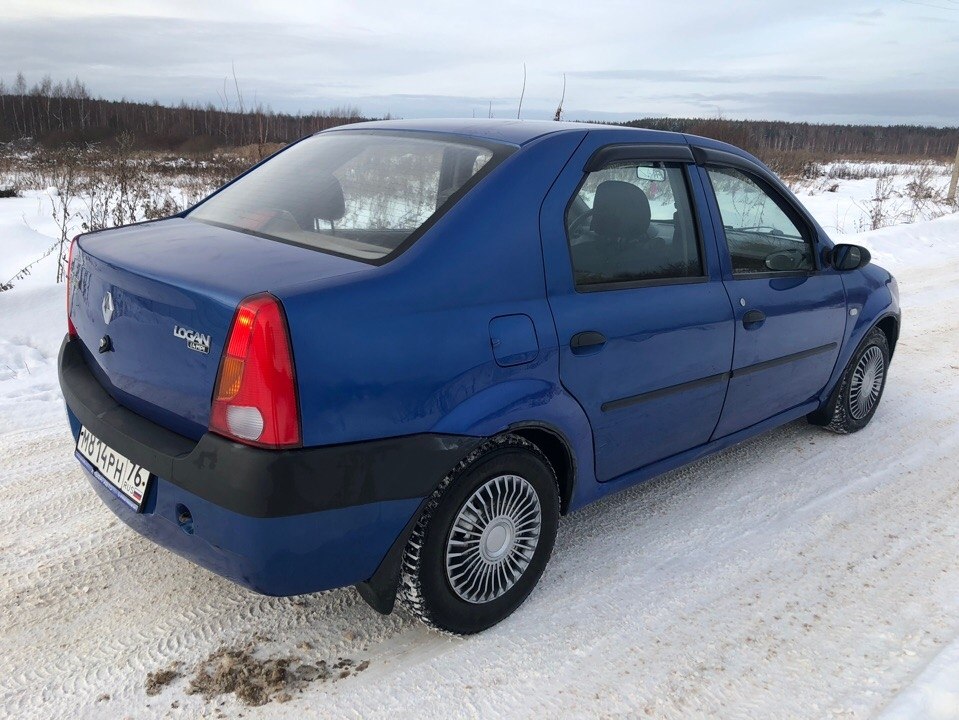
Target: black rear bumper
{"points": [[256, 482]]}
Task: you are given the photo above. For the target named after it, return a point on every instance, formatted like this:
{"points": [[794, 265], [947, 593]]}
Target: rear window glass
{"points": [[357, 194]]}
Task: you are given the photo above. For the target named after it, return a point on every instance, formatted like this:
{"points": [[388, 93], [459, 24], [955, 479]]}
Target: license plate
{"points": [[120, 473]]}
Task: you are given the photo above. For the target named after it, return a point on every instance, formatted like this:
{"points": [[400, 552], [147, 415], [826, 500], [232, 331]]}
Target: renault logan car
{"points": [[393, 354]]}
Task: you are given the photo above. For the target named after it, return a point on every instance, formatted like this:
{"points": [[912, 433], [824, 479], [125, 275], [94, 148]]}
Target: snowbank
{"points": [[800, 575]]}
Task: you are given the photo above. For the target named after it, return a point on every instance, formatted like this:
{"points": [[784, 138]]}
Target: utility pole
{"points": [[955, 180]]}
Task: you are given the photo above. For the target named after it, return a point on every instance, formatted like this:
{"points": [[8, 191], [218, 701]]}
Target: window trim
{"points": [[774, 274], [634, 284], [500, 152], [624, 152], [621, 153], [806, 229]]}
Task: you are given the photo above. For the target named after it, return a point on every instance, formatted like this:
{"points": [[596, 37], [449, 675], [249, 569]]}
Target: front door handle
{"points": [[753, 317], [587, 341]]}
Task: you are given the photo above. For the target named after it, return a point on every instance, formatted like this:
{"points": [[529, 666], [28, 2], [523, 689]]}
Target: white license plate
{"points": [[113, 468]]}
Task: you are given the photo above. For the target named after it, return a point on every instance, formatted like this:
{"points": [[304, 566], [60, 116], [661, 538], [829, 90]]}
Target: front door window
{"points": [[761, 235]]}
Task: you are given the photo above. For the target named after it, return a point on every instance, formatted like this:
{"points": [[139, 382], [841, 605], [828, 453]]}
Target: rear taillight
{"points": [[70, 329], [254, 401]]}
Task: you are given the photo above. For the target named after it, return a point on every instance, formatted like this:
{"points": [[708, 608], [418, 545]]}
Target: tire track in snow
{"points": [[798, 575], [88, 565]]}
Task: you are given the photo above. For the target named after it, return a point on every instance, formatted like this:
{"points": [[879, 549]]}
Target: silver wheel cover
{"points": [[866, 382], [493, 539]]}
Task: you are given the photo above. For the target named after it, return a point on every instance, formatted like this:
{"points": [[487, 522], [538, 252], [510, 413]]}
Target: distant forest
{"points": [[765, 138], [55, 114]]}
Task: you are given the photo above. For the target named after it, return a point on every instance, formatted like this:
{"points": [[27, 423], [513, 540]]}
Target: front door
{"points": [[790, 314], [645, 330]]}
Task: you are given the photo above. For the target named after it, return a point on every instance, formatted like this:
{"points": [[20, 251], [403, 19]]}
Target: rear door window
{"points": [[632, 222]]}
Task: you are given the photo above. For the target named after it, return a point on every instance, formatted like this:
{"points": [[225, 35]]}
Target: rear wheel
{"points": [[855, 401], [484, 538]]}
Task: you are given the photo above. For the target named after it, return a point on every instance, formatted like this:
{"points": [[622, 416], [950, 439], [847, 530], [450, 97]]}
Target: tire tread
{"points": [[835, 417], [410, 593]]}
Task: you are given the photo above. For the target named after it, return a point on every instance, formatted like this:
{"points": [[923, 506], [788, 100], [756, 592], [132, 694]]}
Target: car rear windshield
{"points": [[352, 193]]}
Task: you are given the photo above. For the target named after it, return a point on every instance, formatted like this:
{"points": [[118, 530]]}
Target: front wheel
{"points": [[860, 388], [483, 539]]}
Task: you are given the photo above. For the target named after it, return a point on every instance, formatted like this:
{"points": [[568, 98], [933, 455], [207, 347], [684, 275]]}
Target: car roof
{"points": [[522, 132], [514, 132]]}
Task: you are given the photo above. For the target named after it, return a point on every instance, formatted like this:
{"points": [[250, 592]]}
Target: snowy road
{"points": [[801, 575]]}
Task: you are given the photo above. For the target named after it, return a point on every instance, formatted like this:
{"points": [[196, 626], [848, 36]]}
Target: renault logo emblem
{"points": [[107, 308]]}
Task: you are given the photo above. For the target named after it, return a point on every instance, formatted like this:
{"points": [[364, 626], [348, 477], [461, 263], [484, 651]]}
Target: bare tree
{"points": [[522, 93], [60, 172], [559, 108], [880, 212], [20, 90]]}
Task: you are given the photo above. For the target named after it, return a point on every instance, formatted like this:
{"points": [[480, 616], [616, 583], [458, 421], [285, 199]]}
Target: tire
{"points": [[852, 405], [450, 580]]}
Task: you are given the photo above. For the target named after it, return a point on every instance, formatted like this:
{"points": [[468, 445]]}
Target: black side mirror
{"points": [[849, 257]]}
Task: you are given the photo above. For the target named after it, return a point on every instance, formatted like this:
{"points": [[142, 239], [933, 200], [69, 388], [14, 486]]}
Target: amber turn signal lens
{"points": [[230, 378]]}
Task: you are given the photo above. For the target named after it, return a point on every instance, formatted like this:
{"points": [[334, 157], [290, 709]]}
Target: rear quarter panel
{"points": [[406, 348]]}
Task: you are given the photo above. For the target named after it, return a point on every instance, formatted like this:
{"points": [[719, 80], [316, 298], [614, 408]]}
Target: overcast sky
{"points": [[886, 62]]}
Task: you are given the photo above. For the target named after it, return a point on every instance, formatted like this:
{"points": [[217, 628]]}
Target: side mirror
{"points": [[849, 257]]}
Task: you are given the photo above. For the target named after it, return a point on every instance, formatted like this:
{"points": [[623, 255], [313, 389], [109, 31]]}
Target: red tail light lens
{"points": [[254, 401], [70, 329]]}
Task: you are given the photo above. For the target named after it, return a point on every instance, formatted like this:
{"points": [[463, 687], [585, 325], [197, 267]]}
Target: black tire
{"points": [[838, 414], [425, 587]]}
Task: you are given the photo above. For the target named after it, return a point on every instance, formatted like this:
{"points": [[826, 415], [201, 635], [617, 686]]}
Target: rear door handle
{"points": [[753, 317], [587, 341]]}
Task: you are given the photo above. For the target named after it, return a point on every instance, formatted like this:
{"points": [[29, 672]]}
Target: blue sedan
{"points": [[393, 354]]}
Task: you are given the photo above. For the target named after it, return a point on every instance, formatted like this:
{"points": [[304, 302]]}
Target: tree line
{"points": [[55, 114], [767, 139], [61, 113]]}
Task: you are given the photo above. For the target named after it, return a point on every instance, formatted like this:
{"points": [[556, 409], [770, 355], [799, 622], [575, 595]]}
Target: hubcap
{"points": [[866, 383], [493, 539]]}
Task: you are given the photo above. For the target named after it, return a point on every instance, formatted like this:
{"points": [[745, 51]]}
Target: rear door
{"points": [[644, 325], [790, 312]]}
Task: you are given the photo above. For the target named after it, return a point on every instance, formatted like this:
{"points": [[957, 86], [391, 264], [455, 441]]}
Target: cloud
{"points": [[691, 76], [172, 58], [935, 106], [427, 59]]}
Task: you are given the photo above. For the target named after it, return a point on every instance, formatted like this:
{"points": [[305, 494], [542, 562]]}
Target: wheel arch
{"points": [[541, 412], [557, 449], [889, 325], [380, 590]]}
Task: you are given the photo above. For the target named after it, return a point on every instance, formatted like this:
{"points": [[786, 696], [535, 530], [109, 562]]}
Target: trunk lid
{"points": [[164, 294]]}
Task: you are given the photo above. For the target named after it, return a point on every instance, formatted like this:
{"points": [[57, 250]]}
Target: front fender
{"points": [[868, 294]]}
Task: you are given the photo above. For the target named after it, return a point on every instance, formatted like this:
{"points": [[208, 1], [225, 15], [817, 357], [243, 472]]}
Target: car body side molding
{"points": [[663, 392], [792, 357]]}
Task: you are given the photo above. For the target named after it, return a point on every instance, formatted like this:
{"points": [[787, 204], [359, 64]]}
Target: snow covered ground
{"points": [[843, 197], [802, 574]]}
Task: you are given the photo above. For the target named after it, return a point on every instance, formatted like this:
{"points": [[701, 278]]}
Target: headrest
{"points": [[620, 209], [329, 203]]}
